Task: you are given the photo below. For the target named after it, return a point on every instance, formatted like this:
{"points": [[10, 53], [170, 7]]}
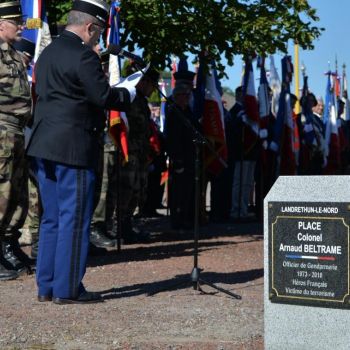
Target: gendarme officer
{"points": [[72, 94], [15, 108]]}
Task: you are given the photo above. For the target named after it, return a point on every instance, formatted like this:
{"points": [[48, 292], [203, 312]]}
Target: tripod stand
{"points": [[195, 279]]}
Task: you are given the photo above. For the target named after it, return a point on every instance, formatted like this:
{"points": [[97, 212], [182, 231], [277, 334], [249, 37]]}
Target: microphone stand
{"points": [[117, 212], [198, 140]]}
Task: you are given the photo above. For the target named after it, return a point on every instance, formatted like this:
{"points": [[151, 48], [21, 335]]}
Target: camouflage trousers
{"points": [[13, 183], [128, 194], [133, 186], [106, 188], [34, 209]]}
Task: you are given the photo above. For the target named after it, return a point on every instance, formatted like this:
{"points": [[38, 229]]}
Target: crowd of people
{"points": [[62, 172]]}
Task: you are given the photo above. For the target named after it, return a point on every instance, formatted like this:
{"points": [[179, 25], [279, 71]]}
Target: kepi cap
{"points": [[26, 46], [10, 9], [96, 8], [184, 75]]}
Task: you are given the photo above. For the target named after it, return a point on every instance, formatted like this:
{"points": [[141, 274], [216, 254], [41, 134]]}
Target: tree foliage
{"points": [[217, 27], [57, 10]]}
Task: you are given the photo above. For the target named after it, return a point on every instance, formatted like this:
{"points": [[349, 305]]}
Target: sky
{"points": [[333, 42]]}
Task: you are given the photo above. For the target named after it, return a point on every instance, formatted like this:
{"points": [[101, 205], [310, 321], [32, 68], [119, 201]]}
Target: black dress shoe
{"points": [[43, 298], [98, 239], [6, 274], [84, 298]]}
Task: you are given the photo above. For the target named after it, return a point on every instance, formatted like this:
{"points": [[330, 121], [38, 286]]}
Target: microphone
{"points": [[115, 49]]}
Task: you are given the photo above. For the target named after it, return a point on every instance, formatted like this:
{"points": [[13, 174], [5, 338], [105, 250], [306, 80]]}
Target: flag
{"points": [[162, 105], [164, 177], [251, 116], [346, 112], [173, 71], [332, 152], [213, 122], [37, 29], [336, 84], [283, 132], [199, 93], [118, 124], [327, 103], [113, 38], [154, 140], [267, 158], [275, 84], [208, 107], [308, 131], [264, 103]]}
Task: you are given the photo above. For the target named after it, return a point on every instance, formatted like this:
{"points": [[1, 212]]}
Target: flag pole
{"points": [[296, 77]]}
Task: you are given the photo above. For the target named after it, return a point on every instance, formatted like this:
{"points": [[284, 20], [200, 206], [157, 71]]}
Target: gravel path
{"points": [[231, 256]]}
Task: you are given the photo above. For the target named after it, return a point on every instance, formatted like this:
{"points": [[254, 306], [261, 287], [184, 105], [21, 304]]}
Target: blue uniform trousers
{"points": [[67, 199]]}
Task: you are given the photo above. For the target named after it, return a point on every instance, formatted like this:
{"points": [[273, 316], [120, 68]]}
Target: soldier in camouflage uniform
{"points": [[34, 214], [106, 197], [133, 174], [15, 109], [104, 189], [30, 231]]}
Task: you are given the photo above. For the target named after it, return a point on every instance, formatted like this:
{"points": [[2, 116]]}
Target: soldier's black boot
{"points": [[99, 239], [20, 254], [10, 260], [131, 236], [6, 275], [6, 271]]}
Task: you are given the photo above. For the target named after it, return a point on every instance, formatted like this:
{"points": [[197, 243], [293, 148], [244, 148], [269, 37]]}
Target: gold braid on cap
{"points": [[10, 9]]}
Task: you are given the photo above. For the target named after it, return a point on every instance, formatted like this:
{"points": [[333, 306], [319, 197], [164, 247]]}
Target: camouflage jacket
{"points": [[15, 97], [139, 115]]}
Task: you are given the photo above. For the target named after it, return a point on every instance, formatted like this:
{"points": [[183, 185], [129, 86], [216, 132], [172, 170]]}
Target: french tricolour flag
{"points": [[264, 103], [208, 107], [38, 28], [213, 122], [251, 117], [118, 124], [332, 137], [282, 142]]}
